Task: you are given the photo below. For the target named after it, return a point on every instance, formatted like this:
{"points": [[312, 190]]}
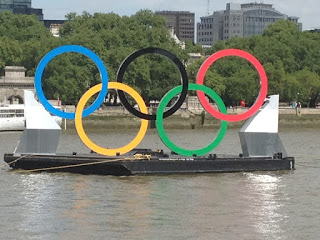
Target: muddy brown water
{"points": [[262, 205]]}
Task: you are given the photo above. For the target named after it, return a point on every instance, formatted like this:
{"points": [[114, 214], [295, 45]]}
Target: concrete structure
{"points": [[182, 23], [210, 29], [20, 7], [181, 44], [194, 57], [243, 20], [9, 4], [13, 83], [42, 132], [259, 135], [296, 21], [54, 26], [258, 16]]}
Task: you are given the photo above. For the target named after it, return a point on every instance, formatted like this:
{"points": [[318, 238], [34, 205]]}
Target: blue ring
{"points": [[78, 49]]}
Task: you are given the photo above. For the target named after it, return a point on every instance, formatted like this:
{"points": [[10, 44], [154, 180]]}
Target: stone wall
{"points": [[13, 83]]}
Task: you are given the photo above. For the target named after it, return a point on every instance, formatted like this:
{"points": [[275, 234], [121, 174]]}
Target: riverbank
{"points": [[125, 121]]}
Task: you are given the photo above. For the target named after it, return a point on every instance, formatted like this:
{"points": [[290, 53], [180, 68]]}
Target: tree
{"points": [[113, 38], [10, 52], [309, 87], [289, 57], [25, 40], [191, 47]]}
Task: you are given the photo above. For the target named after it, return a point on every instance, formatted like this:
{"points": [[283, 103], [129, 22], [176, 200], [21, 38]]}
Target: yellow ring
{"points": [[96, 148]]}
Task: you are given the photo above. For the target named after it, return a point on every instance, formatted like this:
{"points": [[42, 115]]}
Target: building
{"points": [[296, 21], [12, 84], [258, 16], [315, 30], [243, 20], [233, 24], [9, 4], [210, 29], [182, 23], [181, 44], [20, 7], [54, 26]]}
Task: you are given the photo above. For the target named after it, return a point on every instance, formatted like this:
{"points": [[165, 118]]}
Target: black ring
{"points": [[183, 73]]}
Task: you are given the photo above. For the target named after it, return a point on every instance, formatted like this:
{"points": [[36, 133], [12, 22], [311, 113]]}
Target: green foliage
{"points": [[23, 41], [22, 27], [308, 87], [10, 52], [290, 58], [113, 38], [193, 48]]}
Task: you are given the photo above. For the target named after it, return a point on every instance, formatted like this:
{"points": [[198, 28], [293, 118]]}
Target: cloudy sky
{"points": [[307, 10]]}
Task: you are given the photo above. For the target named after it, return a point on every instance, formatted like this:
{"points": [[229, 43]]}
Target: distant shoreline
{"points": [[182, 122]]}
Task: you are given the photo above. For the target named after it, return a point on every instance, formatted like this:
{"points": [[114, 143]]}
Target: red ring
{"points": [[263, 79]]}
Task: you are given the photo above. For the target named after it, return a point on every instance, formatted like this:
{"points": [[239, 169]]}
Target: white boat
{"points": [[12, 117]]}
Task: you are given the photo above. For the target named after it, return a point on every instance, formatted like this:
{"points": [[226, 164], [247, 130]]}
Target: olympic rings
{"points": [[105, 151], [175, 60], [143, 113], [263, 78], [159, 122], [78, 49]]}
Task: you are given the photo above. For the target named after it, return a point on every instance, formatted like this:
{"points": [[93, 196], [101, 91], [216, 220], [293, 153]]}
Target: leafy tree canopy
{"points": [[290, 58]]}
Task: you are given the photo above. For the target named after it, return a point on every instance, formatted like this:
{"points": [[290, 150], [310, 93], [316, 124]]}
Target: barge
{"points": [[146, 163], [262, 150]]}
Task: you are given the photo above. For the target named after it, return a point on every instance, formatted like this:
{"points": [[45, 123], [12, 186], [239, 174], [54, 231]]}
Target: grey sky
{"points": [[306, 10]]}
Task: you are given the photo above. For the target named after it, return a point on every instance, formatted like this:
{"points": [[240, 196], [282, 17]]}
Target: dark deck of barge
{"points": [[146, 162]]}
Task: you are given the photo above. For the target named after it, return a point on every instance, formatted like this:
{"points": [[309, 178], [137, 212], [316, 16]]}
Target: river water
{"points": [[263, 205]]}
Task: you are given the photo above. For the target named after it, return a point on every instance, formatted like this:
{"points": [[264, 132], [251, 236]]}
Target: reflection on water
{"points": [[78, 213], [135, 208], [266, 200], [40, 199], [277, 205]]}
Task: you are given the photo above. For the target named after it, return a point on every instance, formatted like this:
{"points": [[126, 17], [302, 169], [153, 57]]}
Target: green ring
{"points": [[159, 121]]}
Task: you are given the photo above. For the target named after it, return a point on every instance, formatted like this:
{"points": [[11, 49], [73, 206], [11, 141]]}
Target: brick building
{"points": [[182, 22]]}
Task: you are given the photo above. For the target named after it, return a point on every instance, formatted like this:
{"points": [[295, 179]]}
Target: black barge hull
{"points": [[118, 166]]}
